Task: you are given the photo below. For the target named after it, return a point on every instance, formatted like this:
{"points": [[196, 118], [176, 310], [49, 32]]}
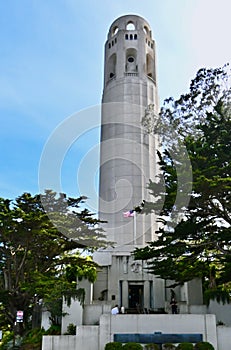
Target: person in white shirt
{"points": [[115, 310]]}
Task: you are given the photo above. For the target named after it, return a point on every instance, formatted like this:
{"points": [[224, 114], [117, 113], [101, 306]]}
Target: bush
{"points": [[203, 345], [71, 329], [7, 339], [169, 346], [151, 346], [33, 338], [113, 346], [185, 346], [53, 330], [132, 346]]}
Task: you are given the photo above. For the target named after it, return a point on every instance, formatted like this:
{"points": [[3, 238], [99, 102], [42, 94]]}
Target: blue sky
{"points": [[51, 66]]}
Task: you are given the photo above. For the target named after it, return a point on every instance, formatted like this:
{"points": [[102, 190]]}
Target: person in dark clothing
{"points": [[173, 304]]}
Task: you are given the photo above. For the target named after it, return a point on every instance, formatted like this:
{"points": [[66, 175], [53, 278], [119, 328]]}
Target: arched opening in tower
{"points": [[150, 66], [130, 26], [131, 61], [112, 66]]}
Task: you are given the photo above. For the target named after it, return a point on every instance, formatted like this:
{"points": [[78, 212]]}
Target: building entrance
{"points": [[135, 296]]}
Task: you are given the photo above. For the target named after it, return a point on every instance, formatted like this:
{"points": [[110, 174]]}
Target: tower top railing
{"points": [[131, 74]]}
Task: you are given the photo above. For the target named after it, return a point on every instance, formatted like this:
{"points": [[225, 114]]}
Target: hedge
{"points": [[113, 346], [185, 346], [151, 346], [203, 345], [132, 346]]}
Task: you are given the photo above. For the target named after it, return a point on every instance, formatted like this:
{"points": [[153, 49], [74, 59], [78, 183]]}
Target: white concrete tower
{"points": [[127, 162], [128, 154]]}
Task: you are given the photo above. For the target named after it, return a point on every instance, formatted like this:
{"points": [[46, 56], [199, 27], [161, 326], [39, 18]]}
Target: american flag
{"points": [[129, 213]]}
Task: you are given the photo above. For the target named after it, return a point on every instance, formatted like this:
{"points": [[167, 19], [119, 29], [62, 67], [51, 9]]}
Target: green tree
{"points": [[199, 244], [39, 261]]}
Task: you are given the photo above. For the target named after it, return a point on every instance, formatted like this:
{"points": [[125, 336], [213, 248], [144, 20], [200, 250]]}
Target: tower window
{"points": [[135, 37], [150, 66], [131, 65], [115, 40], [130, 59], [115, 31], [131, 37], [130, 26], [126, 36], [146, 31], [111, 68], [112, 43], [109, 45]]}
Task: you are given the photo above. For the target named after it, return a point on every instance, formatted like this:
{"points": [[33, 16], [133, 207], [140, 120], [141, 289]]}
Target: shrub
{"points": [[7, 338], [54, 330], [169, 346], [220, 323], [185, 346], [34, 337], [113, 346], [71, 329], [132, 346], [151, 346], [203, 345]]}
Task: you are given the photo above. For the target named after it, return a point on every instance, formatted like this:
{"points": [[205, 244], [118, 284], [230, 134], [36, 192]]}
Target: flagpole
{"points": [[134, 227]]}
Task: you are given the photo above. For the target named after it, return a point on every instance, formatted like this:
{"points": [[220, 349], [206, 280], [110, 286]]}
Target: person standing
{"points": [[173, 304], [115, 310]]}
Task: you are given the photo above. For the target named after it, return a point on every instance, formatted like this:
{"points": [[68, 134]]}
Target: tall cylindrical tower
{"points": [[127, 162], [128, 153]]}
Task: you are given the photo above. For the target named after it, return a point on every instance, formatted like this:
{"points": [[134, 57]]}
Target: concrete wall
{"points": [[92, 313], [194, 292], [95, 337], [203, 324], [224, 337], [74, 315], [86, 339], [197, 309], [222, 312], [45, 323]]}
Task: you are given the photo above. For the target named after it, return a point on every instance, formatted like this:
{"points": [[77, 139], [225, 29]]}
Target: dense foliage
{"points": [[39, 264], [185, 346], [151, 346], [114, 346], [169, 346], [195, 239], [182, 346], [203, 346], [132, 346]]}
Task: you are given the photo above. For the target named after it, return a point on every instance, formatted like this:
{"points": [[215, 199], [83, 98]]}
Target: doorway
{"points": [[135, 296]]}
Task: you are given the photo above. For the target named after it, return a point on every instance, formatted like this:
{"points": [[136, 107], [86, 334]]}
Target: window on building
{"points": [[115, 30], [111, 66], [146, 31], [130, 26]]}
